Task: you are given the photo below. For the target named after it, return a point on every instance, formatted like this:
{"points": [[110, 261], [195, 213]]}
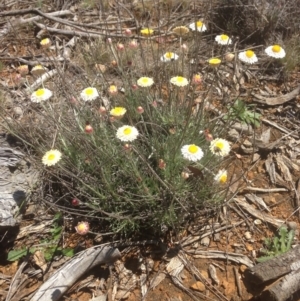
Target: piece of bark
{"points": [[283, 289], [259, 214], [273, 101], [70, 272], [275, 267]]}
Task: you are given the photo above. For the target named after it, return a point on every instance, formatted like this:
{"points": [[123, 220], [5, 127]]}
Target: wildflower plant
{"points": [[132, 151]]}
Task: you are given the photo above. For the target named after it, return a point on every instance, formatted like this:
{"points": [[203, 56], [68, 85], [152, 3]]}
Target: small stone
{"points": [[233, 135], [247, 143], [205, 241], [243, 268], [198, 286], [217, 237], [18, 112], [204, 273], [256, 156], [292, 225], [249, 247], [257, 222], [247, 235]]}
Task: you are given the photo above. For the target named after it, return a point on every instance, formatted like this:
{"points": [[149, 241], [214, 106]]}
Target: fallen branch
{"points": [[234, 257], [69, 273], [273, 101], [275, 267], [267, 190], [286, 266], [259, 214], [40, 80]]}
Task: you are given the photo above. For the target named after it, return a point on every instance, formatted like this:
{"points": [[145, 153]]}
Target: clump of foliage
{"points": [[239, 111], [124, 129], [49, 246], [278, 244]]}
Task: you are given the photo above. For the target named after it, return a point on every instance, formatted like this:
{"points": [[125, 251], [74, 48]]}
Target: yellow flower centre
{"points": [[118, 111], [220, 145], [44, 41], [224, 37], [193, 149], [89, 91], [223, 178], [249, 54], [40, 92], [199, 24], [214, 61], [145, 80], [276, 48], [180, 79], [112, 89], [146, 31], [51, 157], [81, 227], [127, 131], [169, 55]]}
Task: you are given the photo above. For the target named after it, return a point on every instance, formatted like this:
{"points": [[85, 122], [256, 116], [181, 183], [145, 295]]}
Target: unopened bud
{"points": [[161, 164], [88, 129], [185, 175], [75, 202], [120, 47], [102, 110], [133, 44], [127, 32], [229, 57], [140, 110]]}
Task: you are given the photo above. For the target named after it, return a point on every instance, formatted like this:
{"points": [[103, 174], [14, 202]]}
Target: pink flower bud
{"points": [[127, 32], [161, 164], [82, 228], [133, 44], [75, 202], [134, 87], [185, 175], [102, 110], [140, 110], [197, 79], [109, 40], [120, 46], [184, 48], [88, 129], [127, 147]]}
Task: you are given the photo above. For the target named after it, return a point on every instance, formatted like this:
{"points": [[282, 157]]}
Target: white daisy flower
{"points": [[275, 51], [179, 81], [169, 57], [145, 82], [223, 39], [41, 95], [198, 26], [192, 152], [220, 147], [51, 157], [248, 57], [221, 176], [127, 133], [89, 94]]}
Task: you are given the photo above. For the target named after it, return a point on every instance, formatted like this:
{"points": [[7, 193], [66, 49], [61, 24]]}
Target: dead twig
{"points": [[237, 280], [273, 101]]}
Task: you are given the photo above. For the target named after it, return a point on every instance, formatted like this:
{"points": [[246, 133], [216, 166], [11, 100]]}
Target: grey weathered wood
{"points": [[275, 267], [283, 289], [70, 272]]}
